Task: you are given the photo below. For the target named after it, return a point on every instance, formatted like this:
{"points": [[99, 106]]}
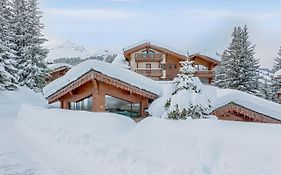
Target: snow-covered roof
{"points": [[155, 44], [257, 104], [277, 74], [58, 65], [219, 98], [107, 69], [121, 61]]}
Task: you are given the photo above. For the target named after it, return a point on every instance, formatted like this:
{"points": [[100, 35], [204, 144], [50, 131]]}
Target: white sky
{"points": [[195, 26]]}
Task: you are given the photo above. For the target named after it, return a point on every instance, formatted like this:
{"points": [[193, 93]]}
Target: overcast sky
{"points": [[201, 26]]}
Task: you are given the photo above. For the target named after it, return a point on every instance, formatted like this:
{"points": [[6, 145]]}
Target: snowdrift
{"points": [[105, 144]]}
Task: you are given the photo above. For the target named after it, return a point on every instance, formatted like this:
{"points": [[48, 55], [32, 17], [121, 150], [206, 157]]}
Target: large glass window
{"points": [[122, 107], [84, 105]]}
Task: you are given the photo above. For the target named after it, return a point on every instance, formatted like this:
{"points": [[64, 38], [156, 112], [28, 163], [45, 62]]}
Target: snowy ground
{"points": [[42, 141], [14, 159]]}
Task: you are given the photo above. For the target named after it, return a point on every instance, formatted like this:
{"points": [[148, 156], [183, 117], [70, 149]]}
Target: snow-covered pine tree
{"points": [[277, 62], [29, 40], [221, 72], [276, 85], [266, 83], [188, 99], [238, 61], [8, 72]]}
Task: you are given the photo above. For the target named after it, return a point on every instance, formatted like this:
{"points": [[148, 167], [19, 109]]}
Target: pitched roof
{"points": [[257, 104], [157, 47], [58, 65], [113, 71]]}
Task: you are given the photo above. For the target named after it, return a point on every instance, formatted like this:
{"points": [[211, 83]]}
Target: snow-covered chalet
{"points": [[134, 84]]}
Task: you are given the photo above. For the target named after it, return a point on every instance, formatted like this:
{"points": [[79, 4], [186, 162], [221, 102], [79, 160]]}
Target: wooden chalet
{"points": [[161, 63], [235, 112], [57, 70], [95, 87]]}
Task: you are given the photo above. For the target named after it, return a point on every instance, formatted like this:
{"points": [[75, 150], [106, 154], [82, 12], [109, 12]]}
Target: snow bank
{"points": [[20, 96], [108, 69], [94, 143]]}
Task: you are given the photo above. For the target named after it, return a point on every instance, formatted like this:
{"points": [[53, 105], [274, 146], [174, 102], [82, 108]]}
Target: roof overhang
{"points": [[148, 45], [95, 75], [239, 109], [204, 58]]}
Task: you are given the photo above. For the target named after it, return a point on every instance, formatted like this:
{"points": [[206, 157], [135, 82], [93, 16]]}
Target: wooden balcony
{"points": [[208, 74], [150, 72], [156, 57]]}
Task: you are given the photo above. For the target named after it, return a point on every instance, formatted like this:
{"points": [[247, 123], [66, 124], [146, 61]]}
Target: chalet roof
{"points": [[109, 70], [58, 66], [257, 104], [157, 47], [205, 58]]}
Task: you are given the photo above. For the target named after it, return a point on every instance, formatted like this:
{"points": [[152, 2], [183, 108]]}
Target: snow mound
{"points": [[99, 143], [20, 96], [108, 69]]}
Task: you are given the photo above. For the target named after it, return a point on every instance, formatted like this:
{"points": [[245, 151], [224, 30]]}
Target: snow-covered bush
{"points": [[188, 99]]}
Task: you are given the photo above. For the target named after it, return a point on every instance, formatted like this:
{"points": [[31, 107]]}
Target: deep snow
{"points": [[14, 158], [97, 143]]}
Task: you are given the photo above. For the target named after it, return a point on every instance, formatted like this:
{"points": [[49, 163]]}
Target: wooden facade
{"points": [[160, 63], [96, 86], [235, 112]]}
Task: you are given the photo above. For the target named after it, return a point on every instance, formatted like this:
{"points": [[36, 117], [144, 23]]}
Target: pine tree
{"points": [[277, 64], [8, 78], [188, 99], [276, 85], [29, 39], [266, 84], [239, 63]]}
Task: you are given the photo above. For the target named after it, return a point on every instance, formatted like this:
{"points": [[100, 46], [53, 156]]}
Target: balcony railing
{"points": [[150, 72], [205, 73], [148, 57]]}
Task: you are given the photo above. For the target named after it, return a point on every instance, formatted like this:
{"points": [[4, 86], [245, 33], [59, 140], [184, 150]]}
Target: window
{"points": [[175, 66], [148, 68], [119, 106], [84, 105], [170, 66], [163, 66]]}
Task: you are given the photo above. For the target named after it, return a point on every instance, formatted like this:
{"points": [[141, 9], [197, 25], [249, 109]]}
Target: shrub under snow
{"points": [[188, 99]]}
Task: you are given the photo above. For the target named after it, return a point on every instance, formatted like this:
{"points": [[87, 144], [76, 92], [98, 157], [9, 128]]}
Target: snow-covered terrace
{"points": [[111, 70]]}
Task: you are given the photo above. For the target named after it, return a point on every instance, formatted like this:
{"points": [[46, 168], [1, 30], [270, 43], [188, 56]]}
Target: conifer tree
{"points": [[188, 99], [29, 39], [8, 78], [277, 63], [276, 85], [239, 63]]}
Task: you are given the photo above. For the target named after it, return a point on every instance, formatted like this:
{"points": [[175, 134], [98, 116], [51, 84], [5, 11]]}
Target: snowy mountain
{"points": [[66, 49], [72, 53]]}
